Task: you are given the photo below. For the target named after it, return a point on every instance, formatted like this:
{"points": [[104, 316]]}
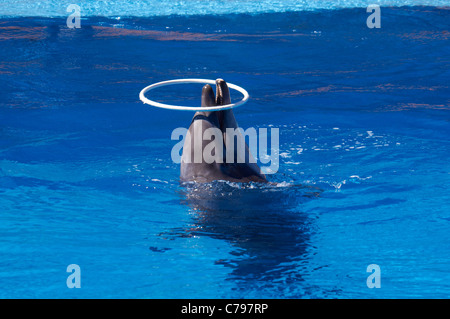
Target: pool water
{"points": [[86, 175]]}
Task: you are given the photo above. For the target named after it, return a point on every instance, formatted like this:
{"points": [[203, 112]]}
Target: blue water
{"points": [[86, 175]]}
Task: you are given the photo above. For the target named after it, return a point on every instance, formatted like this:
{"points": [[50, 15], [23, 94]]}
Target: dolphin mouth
{"points": [[210, 99], [219, 92], [222, 93], [222, 98]]}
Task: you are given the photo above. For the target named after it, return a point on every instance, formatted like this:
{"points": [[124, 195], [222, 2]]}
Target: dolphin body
{"points": [[203, 171]]}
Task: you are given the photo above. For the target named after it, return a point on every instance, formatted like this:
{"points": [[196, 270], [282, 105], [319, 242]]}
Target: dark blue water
{"points": [[86, 175]]}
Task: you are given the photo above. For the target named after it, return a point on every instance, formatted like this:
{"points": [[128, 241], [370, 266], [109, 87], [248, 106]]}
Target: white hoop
{"points": [[192, 108]]}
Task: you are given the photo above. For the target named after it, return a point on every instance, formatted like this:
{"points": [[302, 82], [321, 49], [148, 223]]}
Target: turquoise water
{"points": [[152, 8], [86, 175]]}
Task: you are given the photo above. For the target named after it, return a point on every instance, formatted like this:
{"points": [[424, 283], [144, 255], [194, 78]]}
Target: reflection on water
{"points": [[264, 224]]}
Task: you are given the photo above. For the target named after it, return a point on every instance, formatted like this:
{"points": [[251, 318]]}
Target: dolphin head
{"points": [[223, 120]]}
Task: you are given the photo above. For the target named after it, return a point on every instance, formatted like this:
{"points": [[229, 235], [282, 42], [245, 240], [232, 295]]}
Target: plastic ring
{"points": [[192, 108]]}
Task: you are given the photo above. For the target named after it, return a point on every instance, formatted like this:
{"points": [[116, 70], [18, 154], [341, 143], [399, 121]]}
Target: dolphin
{"points": [[204, 171]]}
